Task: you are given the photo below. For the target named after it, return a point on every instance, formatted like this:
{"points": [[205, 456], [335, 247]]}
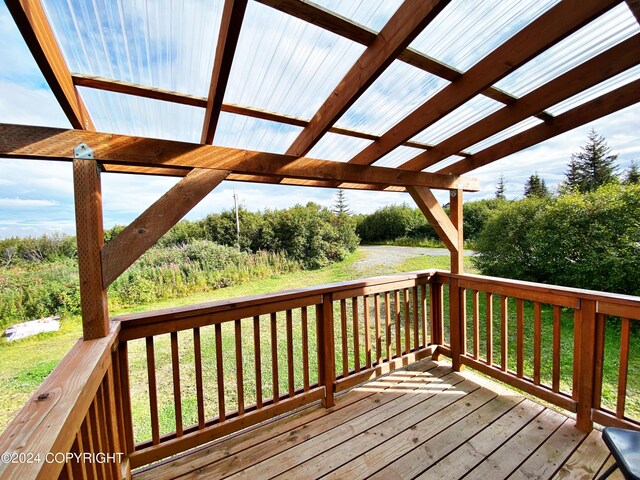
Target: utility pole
{"points": [[235, 203]]}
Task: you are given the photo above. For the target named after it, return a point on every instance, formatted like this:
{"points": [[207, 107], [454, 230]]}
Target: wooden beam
{"points": [[544, 32], [606, 104], [232, 16], [18, 141], [401, 29], [323, 18], [120, 253], [90, 238], [127, 88], [36, 31], [429, 206], [600, 68], [455, 213]]}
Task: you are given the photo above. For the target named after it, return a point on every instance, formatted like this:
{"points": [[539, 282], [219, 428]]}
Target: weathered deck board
{"points": [[422, 422]]}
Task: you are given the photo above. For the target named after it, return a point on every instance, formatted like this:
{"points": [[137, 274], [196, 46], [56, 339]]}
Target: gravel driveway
{"points": [[386, 255]]}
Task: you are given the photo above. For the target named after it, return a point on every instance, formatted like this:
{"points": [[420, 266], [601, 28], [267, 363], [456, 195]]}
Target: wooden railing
{"points": [[70, 427], [166, 381], [547, 341]]}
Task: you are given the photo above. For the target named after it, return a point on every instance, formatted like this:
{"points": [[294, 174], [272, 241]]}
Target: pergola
{"points": [[526, 72]]}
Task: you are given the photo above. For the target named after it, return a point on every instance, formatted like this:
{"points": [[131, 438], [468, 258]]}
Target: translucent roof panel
{"points": [[465, 32], [608, 30], [239, 131], [474, 110], [283, 64], [373, 14], [618, 81], [144, 117], [398, 156], [444, 163], [340, 148], [162, 44], [397, 92], [504, 134]]}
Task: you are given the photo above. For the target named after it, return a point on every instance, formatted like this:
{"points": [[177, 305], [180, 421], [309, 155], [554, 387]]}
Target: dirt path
{"points": [[381, 256]]}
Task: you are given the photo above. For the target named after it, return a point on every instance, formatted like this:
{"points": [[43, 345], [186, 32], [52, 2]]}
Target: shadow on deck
{"points": [[424, 421]]}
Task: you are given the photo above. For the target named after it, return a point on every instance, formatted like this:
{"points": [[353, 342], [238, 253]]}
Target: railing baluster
{"points": [[367, 331], [475, 295], [258, 359], [537, 341], [416, 333], [388, 323], [326, 348], [220, 374], [123, 396], [274, 358], [153, 392], [423, 299], [79, 468], [239, 366], [290, 379], [87, 440], [463, 321], [407, 321], [623, 369], [114, 415], [98, 432], [489, 320], [520, 335], [376, 306], [197, 357], [345, 347], [305, 349], [555, 382], [177, 400], [601, 327], [504, 333], [356, 334], [396, 306]]}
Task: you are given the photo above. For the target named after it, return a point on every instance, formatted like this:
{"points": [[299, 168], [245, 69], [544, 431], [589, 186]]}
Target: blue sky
{"points": [[37, 197]]}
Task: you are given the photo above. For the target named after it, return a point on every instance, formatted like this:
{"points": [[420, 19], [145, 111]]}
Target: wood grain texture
{"points": [[544, 32], [228, 36], [457, 220], [56, 411], [58, 144], [90, 240], [120, 253], [400, 30], [34, 26], [430, 208]]}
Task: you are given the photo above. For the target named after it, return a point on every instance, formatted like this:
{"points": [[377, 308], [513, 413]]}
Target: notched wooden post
{"points": [[326, 350], [90, 238], [584, 363]]}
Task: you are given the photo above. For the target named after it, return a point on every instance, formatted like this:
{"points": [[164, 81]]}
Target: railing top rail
{"points": [[48, 422], [604, 297], [175, 313]]}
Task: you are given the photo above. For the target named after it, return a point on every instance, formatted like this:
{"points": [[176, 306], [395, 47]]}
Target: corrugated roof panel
{"points": [[162, 44], [506, 133], [130, 115], [398, 156], [238, 131], [283, 64], [340, 148], [466, 31], [608, 30], [397, 92], [373, 14]]}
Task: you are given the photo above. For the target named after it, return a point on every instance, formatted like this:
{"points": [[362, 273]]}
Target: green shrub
{"points": [[394, 221], [587, 240]]}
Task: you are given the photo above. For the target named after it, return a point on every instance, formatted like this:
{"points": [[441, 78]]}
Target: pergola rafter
{"points": [[618, 59], [546, 31]]}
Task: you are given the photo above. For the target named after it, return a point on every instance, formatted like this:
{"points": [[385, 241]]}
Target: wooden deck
{"points": [[425, 421]]}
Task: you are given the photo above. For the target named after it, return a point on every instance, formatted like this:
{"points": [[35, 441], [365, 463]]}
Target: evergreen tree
{"points": [[592, 167], [340, 206], [536, 187], [633, 174], [500, 188]]}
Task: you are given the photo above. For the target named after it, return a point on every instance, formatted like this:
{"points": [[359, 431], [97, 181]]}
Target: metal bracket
{"points": [[83, 151]]}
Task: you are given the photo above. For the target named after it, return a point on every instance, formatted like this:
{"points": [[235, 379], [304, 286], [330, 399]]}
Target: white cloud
{"points": [[25, 203]]}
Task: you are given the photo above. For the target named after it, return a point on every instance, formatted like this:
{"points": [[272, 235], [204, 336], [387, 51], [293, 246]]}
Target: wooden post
{"points": [[326, 350], [90, 238], [455, 213], [584, 363]]}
